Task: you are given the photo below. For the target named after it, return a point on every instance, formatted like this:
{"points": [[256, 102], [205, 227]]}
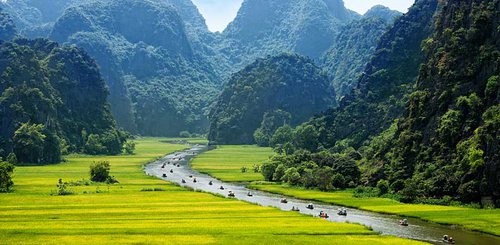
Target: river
{"points": [[385, 224]]}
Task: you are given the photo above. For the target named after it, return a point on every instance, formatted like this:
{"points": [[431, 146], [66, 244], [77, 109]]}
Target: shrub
{"points": [[185, 134], [99, 171], [6, 170], [129, 147], [244, 169], [61, 188], [256, 168]]}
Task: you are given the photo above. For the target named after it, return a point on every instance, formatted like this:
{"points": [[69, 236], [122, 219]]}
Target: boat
{"points": [[295, 209], [231, 194], [210, 183], [342, 212], [183, 181], [448, 239], [164, 175], [222, 188], [250, 194], [171, 171], [403, 222], [323, 215], [310, 206], [284, 200], [194, 180]]}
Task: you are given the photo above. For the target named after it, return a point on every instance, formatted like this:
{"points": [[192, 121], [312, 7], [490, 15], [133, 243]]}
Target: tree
{"points": [[99, 171], [306, 137], [283, 135], [129, 147], [93, 145], [29, 143], [267, 170], [292, 176], [12, 158], [6, 170], [383, 187], [279, 172]]}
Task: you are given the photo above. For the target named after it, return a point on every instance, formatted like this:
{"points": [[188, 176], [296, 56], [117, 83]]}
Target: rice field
{"points": [[484, 220], [125, 213], [225, 162]]}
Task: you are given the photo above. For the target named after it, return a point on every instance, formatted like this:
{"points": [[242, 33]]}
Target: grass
{"points": [[127, 214], [484, 220], [225, 162]]}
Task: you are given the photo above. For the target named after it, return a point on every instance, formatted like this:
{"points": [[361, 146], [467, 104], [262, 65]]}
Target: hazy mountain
{"points": [[353, 48], [158, 84], [266, 27]]}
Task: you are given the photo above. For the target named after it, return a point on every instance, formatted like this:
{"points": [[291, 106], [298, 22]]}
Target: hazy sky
{"points": [[219, 13]]}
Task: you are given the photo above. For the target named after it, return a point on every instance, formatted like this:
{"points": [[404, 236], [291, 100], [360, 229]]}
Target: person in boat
{"points": [[164, 175], [403, 222], [194, 180], [163, 166], [210, 183], [171, 171], [284, 200], [250, 194], [190, 176], [310, 206], [183, 181], [221, 187], [295, 208]]}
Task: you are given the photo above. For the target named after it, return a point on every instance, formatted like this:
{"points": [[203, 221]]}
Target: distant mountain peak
{"points": [[383, 12]]}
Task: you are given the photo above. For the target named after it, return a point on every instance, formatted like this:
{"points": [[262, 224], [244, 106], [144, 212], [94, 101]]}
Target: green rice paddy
{"points": [[126, 214], [484, 220], [225, 162]]}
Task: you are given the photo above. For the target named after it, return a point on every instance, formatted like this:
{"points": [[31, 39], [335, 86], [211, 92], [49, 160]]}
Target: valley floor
{"points": [[487, 221], [129, 213]]}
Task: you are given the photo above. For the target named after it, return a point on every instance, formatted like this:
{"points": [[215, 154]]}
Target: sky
{"points": [[219, 13]]}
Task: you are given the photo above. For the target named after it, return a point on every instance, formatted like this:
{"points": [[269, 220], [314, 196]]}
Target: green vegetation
{"points": [[447, 143], [7, 27], [354, 46], [155, 76], [484, 220], [262, 28], [270, 87], [124, 213], [226, 162], [6, 170], [53, 101], [322, 170]]}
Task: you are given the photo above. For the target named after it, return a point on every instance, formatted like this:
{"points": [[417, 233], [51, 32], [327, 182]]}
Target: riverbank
{"points": [[146, 210], [483, 220]]}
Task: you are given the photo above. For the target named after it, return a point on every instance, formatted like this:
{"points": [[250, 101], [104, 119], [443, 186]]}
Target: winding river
{"points": [[176, 168]]}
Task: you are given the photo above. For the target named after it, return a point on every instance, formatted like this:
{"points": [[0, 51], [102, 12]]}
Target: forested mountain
{"points": [[35, 18], [158, 84], [270, 27], [289, 83], [388, 79], [7, 27], [354, 46], [448, 141], [52, 101]]}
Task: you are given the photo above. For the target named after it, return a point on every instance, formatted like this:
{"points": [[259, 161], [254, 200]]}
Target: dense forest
{"points": [[423, 121], [53, 102], [283, 84]]}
